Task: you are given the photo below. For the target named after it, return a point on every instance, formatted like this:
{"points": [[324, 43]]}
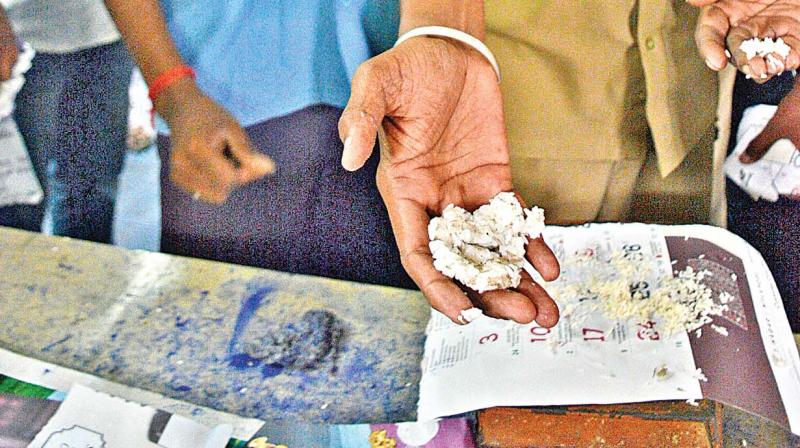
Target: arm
{"points": [[201, 129], [437, 102], [727, 23], [464, 15], [8, 47]]}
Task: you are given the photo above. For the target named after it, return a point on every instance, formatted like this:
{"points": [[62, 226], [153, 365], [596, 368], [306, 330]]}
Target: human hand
{"points": [[211, 154], [784, 124], [731, 22], [443, 141], [8, 48]]}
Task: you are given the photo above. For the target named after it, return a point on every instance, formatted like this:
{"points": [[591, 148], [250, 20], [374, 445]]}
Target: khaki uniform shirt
{"points": [[591, 88]]}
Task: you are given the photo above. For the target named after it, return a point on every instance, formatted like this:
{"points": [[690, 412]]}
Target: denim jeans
{"points": [[310, 217], [73, 113], [771, 227]]}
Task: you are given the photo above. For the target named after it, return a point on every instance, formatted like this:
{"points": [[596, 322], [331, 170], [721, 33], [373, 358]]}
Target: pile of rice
{"points": [[484, 250]]}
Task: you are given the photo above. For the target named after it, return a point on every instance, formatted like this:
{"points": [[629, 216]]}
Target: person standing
{"points": [[771, 227], [248, 90], [72, 112]]}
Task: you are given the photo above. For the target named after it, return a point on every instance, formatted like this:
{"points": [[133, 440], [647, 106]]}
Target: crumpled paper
{"points": [[774, 175], [10, 88], [18, 181]]}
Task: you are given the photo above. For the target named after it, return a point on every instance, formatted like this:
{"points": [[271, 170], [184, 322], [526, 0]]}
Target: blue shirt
{"points": [[265, 58]]}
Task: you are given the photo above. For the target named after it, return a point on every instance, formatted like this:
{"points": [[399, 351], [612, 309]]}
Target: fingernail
{"points": [[712, 65], [265, 163], [777, 64], [348, 154], [727, 54], [771, 66], [746, 158], [746, 70], [469, 315]]}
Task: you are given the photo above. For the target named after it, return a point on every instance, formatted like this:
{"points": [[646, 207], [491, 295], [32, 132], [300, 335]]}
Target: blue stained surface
{"points": [[249, 306], [50, 346], [242, 361], [270, 370], [247, 341]]}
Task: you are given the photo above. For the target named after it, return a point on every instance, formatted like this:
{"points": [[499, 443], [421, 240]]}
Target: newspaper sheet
{"points": [[597, 360]]}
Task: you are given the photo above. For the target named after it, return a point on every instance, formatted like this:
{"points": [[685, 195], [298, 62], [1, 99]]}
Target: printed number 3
{"points": [[488, 338]]}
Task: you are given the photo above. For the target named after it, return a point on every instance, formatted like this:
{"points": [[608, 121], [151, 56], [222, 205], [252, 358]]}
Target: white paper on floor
{"points": [[18, 181], [774, 175], [84, 419]]}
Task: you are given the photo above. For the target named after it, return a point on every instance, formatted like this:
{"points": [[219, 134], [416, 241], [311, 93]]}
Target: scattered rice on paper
{"points": [[679, 303]]}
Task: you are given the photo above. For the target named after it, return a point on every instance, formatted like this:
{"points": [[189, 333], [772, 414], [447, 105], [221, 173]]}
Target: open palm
{"points": [[443, 141], [730, 22]]}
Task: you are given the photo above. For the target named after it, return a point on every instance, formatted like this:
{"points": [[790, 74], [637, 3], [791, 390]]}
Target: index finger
{"points": [[712, 27], [781, 125], [543, 259], [540, 255], [252, 164]]}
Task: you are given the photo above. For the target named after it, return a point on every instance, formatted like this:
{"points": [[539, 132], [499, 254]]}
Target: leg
{"points": [[311, 217], [354, 239], [92, 143], [772, 228], [37, 117]]}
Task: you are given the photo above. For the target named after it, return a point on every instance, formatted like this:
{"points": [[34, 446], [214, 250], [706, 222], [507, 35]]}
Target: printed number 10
{"points": [[539, 334]]}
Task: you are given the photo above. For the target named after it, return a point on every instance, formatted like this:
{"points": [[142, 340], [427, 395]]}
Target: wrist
{"points": [[466, 16], [176, 98], [463, 39]]}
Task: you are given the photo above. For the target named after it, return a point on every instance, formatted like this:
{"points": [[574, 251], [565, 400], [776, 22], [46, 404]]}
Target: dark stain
{"points": [[270, 370], [181, 323], [49, 347], [66, 267], [313, 342], [242, 361], [249, 306]]}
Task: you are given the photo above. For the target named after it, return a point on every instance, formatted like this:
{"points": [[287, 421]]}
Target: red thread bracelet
{"points": [[167, 78]]}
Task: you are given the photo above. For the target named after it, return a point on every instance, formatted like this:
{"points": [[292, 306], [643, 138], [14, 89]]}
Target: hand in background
{"points": [[211, 154], [784, 124], [438, 106], [8, 47], [730, 22]]}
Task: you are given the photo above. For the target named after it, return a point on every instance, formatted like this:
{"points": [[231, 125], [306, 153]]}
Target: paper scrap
{"points": [[774, 175], [84, 420]]}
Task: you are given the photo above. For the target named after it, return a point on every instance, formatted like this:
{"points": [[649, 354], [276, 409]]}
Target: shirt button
{"points": [[650, 43]]}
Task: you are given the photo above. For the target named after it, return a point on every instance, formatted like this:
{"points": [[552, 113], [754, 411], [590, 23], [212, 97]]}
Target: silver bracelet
{"points": [[458, 35]]}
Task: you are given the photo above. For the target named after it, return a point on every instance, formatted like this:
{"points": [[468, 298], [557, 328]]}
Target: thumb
{"points": [[7, 60], [780, 126], [250, 164], [712, 28], [364, 113], [701, 2]]}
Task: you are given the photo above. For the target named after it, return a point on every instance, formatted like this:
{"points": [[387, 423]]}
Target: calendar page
{"points": [[589, 358]]}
